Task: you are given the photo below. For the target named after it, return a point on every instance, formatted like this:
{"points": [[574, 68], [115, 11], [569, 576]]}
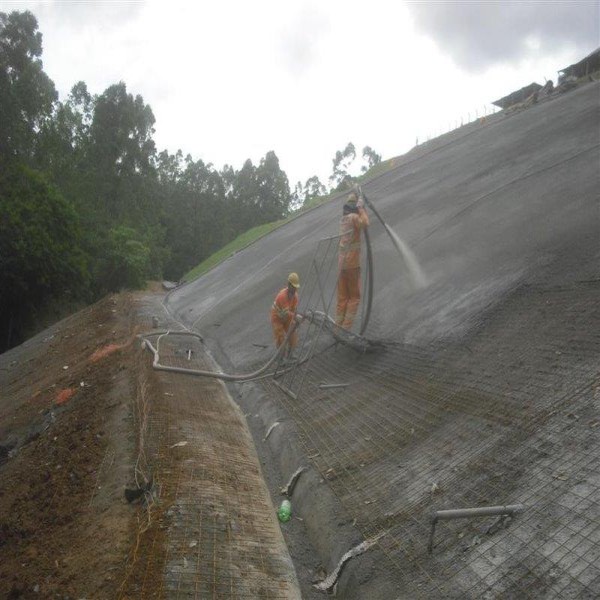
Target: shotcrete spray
{"points": [[410, 260]]}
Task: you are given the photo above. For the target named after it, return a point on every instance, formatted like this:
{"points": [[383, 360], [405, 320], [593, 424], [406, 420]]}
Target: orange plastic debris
{"points": [[107, 350], [65, 395]]}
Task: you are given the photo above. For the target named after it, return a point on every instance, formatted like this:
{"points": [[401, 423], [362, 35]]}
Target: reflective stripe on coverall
{"points": [[283, 313], [348, 290]]}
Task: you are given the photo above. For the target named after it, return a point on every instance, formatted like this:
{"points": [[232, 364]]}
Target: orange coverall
{"points": [[283, 313], [348, 289]]}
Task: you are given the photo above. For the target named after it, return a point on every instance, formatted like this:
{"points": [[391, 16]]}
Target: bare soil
{"points": [[66, 453]]}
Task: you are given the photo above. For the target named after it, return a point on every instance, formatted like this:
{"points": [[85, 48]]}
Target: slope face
{"points": [[484, 212], [489, 391], [68, 449]]}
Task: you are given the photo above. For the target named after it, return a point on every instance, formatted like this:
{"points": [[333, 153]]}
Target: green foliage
{"points": [[40, 246], [126, 262], [371, 157], [297, 197], [341, 163], [239, 243], [63, 140], [210, 208], [304, 194], [197, 221], [273, 189], [26, 93], [120, 157], [313, 187], [89, 206], [340, 178]]}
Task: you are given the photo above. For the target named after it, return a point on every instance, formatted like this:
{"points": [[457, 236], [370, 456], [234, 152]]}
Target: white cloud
{"points": [[481, 34], [232, 80], [300, 39]]}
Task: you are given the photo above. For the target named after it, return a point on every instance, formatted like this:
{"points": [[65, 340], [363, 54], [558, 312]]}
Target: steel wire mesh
{"points": [[213, 533], [512, 420]]}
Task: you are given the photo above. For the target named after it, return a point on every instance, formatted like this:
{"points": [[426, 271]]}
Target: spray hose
{"points": [[341, 336], [214, 374]]}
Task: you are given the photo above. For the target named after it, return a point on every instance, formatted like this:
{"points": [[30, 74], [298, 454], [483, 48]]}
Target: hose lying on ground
{"points": [[215, 374], [343, 336]]}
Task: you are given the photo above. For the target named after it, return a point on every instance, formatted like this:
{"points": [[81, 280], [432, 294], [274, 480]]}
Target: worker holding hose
{"points": [[354, 219], [283, 314]]}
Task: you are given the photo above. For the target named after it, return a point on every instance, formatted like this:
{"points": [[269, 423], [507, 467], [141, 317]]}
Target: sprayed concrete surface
{"points": [[483, 214], [487, 390]]}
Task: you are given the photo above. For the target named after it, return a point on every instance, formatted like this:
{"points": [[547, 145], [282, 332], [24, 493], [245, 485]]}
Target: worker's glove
{"points": [[299, 318]]}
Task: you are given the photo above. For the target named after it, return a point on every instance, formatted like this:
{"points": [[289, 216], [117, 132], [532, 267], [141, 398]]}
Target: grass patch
{"points": [[240, 242]]}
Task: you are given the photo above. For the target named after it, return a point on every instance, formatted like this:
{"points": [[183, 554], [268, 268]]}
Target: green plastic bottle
{"points": [[285, 511]]}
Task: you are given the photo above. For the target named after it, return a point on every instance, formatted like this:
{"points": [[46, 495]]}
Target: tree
{"points": [[83, 190], [302, 194], [169, 167], [126, 260], [63, 140], [341, 163], [313, 188], [121, 131], [197, 222], [371, 157], [121, 154], [297, 196], [244, 197], [258, 194], [273, 189], [27, 94], [40, 248]]}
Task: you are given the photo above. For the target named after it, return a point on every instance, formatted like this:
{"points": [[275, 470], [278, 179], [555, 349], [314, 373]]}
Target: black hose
{"points": [[260, 373], [369, 301]]}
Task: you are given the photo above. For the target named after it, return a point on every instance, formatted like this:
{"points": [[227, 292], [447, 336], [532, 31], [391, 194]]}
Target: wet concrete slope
{"points": [[489, 388], [483, 211]]}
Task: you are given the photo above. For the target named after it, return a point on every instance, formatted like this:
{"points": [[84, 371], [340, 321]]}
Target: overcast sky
{"points": [[232, 79]]}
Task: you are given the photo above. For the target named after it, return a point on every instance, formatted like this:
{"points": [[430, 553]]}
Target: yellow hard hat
{"points": [[352, 198], [294, 280]]}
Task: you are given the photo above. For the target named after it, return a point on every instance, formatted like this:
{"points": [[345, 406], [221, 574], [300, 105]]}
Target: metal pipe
{"points": [[462, 513], [318, 278], [483, 511], [330, 386]]}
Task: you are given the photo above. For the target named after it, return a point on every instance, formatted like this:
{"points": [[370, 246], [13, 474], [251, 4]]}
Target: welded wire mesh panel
{"points": [[318, 305], [508, 416], [212, 530], [317, 294]]}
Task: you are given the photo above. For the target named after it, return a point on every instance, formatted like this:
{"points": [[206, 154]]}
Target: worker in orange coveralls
{"points": [[283, 313], [354, 219]]}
